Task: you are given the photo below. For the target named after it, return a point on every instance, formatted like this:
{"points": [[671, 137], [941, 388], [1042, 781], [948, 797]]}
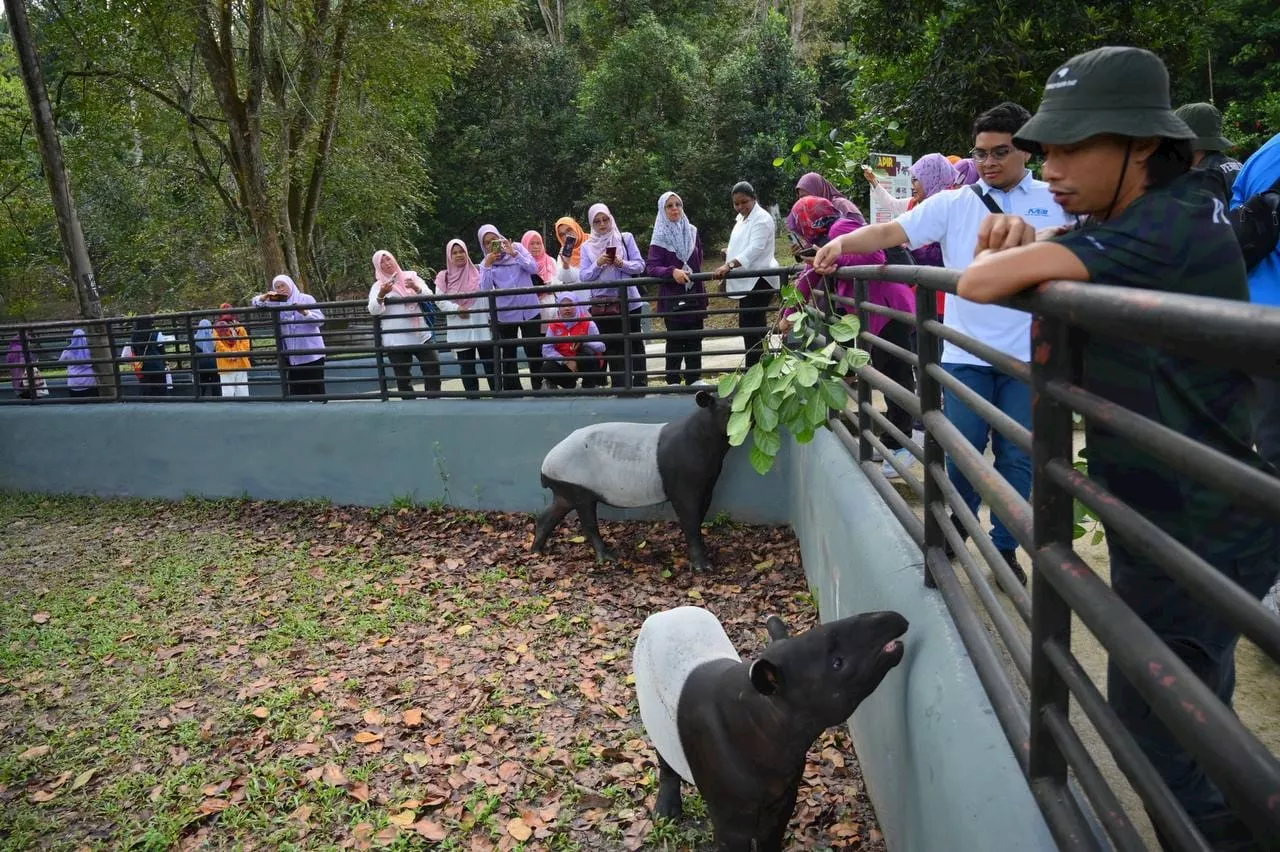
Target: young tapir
{"points": [[740, 731], [639, 464]]}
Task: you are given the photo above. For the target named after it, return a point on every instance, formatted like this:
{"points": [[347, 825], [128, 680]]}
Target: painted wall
{"points": [[475, 454], [936, 763]]}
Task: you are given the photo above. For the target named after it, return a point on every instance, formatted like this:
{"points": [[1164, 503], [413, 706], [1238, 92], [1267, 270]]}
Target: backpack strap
{"points": [[986, 199]]}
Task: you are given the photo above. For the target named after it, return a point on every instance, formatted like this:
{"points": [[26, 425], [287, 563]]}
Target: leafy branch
{"points": [[793, 386]]}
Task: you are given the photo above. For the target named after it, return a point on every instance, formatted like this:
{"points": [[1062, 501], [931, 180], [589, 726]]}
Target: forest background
{"points": [[213, 143]]}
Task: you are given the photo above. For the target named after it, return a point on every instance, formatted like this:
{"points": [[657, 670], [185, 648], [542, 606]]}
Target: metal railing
{"points": [[359, 364], [1047, 745]]}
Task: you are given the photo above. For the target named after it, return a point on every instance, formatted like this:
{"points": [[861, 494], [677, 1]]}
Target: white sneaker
{"points": [[903, 455]]}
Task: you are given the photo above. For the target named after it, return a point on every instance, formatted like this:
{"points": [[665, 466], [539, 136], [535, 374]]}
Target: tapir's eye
{"points": [[837, 663]]}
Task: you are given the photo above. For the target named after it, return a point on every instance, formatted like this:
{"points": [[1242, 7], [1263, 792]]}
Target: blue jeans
{"points": [[1014, 399]]}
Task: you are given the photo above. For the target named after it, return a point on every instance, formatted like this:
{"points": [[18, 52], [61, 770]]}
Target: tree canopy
{"points": [[214, 144]]}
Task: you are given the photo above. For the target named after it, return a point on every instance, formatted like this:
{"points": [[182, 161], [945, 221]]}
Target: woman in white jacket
{"points": [[468, 316], [751, 247], [405, 332]]}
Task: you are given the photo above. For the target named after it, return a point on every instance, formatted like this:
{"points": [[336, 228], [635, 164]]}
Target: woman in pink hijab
{"points": [[468, 315], [404, 331], [548, 274]]}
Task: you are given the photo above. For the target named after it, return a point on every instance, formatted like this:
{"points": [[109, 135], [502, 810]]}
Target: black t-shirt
{"points": [[1217, 173], [1177, 240]]}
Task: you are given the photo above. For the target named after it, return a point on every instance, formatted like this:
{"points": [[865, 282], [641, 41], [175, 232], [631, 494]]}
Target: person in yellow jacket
{"points": [[231, 342]]}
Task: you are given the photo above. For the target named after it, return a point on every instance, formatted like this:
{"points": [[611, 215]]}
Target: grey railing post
{"points": [[114, 363], [864, 388], [282, 359], [625, 316], [195, 360], [383, 393], [497, 343], [1053, 522], [928, 351]]}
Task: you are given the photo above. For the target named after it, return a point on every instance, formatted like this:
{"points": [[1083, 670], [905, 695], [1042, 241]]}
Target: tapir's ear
{"points": [[704, 399], [765, 677], [777, 628]]}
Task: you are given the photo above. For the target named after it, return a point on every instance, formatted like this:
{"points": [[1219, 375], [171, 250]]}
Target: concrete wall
{"points": [[475, 454], [937, 766], [936, 763]]}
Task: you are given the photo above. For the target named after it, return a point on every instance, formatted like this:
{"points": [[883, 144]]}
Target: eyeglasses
{"points": [[997, 154], [674, 205]]}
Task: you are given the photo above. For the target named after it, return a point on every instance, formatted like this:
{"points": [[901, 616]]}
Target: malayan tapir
{"points": [[740, 731], [639, 464]]}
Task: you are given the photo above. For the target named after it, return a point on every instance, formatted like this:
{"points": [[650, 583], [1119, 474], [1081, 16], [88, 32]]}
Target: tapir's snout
{"points": [[885, 628]]}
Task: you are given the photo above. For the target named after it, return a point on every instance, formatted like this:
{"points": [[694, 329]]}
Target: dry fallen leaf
{"points": [[374, 717], [82, 779], [463, 629], [301, 814], [359, 791], [40, 618], [260, 712], [412, 717], [404, 819], [430, 830], [213, 806], [43, 796], [519, 830], [367, 737], [34, 752], [333, 776]]}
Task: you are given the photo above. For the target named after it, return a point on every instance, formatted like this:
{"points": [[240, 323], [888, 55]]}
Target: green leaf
{"points": [[846, 329], [752, 380], [739, 426], [778, 161], [833, 393], [727, 385], [761, 462], [766, 440], [1098, 536], [856, 358], [815, 410], [741, 400], [764, 416], [806, 374]]}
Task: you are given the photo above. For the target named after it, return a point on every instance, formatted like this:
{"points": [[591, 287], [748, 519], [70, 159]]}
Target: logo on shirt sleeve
{"points": [[1038, 211]]}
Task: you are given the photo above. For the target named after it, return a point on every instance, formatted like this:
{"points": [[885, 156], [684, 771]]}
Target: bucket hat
{"points": [[1120, 90], [1206, 123]]}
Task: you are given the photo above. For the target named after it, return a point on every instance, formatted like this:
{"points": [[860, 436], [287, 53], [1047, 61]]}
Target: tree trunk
{"points": [[244, 125], [55, 171]]}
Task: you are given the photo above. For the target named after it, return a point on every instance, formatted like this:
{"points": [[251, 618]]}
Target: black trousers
{"points": [[306, 379], [899, 371], [558, 375], [753, 319], [91, 392], [402, 358], [615, 350], [209, 383], [687, 350], [469, 360], [153, 383], [509, 369]]}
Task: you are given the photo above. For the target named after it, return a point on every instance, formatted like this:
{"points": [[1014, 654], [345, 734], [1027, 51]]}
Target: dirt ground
{"points": [[250, 675]]}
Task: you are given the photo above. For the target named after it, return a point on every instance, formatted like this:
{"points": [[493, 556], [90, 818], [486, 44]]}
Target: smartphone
{"points": [[569, 242], [612, 251], [811, 251], [795, 241]]}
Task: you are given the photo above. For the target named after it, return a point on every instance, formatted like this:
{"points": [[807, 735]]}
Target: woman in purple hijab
{"points": [[813, 183]]}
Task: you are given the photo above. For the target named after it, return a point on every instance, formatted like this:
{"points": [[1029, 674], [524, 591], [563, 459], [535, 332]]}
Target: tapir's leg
{"points": [[690, 517], [587, 514], [548, 519], [773, 828], [668, 804]]}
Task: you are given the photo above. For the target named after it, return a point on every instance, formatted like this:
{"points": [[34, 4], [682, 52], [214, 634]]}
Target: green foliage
{"points": [[793, 387]]}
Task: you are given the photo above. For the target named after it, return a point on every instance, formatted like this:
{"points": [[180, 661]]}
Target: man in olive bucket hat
{"points": [[1209, 149], [1116, 156]]}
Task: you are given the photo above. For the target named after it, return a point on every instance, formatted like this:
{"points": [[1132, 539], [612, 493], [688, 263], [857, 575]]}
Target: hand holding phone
{"points": [[566, 248], [612, 253]]}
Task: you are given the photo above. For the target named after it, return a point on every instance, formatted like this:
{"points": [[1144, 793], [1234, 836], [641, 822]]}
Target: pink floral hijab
{"points": [[546, 264], [935, 174]]}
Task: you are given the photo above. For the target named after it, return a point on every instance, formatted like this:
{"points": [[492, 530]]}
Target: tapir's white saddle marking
{"points": [[618, 461], [670, 646]]}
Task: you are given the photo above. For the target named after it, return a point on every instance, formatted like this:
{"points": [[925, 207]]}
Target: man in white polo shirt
{"points": [[952, 219]]}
